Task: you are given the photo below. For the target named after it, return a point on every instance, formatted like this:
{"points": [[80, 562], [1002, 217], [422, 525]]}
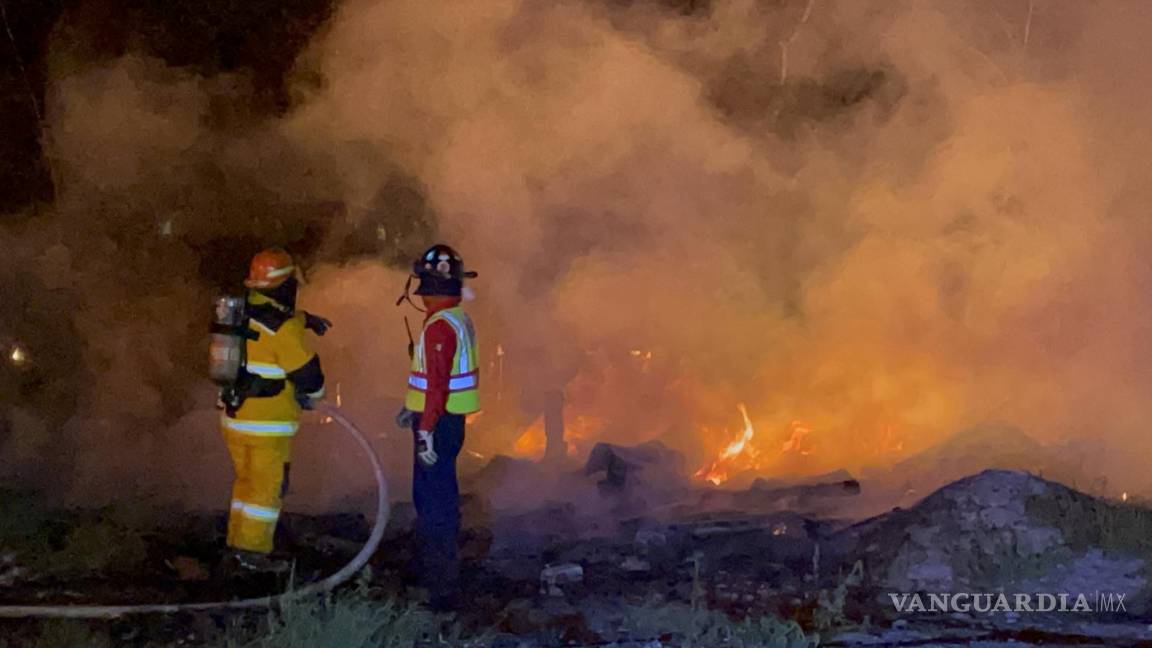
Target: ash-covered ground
{"points": [[634, 553]]}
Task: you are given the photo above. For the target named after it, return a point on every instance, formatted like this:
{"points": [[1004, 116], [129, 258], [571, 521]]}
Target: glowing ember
{"points": [[339, 403], [645, 358], [717, 471], [1124, 497], [18, 356]]}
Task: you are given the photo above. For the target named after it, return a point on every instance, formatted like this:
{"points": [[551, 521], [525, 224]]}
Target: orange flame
{"points": [[531, 444], [578, 433], [717, 471], [799, 431]]}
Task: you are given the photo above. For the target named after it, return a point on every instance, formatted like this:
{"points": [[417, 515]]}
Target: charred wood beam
{"points": [[556, 448]]}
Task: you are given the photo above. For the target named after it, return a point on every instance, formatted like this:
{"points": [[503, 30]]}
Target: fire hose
{"points": [[328, 584]]}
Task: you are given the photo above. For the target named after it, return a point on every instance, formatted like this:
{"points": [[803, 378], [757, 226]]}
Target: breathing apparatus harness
{"points": [[229, 355], [228, 350]]}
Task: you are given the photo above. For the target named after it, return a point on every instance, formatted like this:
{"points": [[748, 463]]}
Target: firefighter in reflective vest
{"points": [[442, 388], [281, 376]]}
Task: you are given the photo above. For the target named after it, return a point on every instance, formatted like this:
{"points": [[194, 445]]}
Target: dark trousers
{"points": [[436, 496]]}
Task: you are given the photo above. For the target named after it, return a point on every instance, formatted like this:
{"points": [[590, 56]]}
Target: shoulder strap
{"points": [[268, 316]]}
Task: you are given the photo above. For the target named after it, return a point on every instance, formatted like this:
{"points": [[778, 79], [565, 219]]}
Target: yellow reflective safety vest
{"points": [[274, 354], [464, 381]]}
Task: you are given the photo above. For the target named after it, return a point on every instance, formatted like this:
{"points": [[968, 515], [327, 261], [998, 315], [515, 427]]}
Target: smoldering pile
{"points": [[630, 528]]}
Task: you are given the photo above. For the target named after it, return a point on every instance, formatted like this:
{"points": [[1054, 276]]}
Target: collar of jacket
{"points": [[439, 304], [260, 299], [267, 311]]}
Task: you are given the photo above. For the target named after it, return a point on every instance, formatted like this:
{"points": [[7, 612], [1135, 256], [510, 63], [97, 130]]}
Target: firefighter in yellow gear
{"points": [[281, 375]]}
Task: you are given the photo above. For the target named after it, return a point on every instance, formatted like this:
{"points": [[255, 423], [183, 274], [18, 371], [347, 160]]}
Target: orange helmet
{"points": [[269, 269]]}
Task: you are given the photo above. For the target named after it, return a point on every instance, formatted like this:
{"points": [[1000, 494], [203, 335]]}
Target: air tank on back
{"points": [[226, 351]]}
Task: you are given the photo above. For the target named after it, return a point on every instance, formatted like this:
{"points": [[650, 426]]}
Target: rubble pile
{"points": [[769, 550], [996, 530], [628, 537]]}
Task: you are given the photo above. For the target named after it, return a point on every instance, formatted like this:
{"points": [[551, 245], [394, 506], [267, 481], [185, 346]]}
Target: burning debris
{"points": [[748, 455], [717, 471]]}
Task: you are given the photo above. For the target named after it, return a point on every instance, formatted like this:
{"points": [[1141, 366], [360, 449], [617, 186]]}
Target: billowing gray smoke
{"points": [[879, 223]]}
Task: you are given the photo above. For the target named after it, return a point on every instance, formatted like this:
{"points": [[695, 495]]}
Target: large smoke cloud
{"points": [[889, 221]]}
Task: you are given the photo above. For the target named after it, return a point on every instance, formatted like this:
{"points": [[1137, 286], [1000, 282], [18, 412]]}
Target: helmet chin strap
{"points": [[407, 296]]}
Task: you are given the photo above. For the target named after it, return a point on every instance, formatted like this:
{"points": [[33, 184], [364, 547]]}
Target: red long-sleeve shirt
{"points": [[439, 350]]}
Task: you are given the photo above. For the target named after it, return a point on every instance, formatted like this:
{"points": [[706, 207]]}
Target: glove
{"points": [[306, 402], [404, 418], [424, 450], [316, 324]]}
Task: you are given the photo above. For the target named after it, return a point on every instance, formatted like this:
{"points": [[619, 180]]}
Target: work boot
{"points": [[258, 562]]}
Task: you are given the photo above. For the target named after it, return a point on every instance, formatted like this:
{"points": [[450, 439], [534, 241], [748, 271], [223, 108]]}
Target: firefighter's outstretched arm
{"points": [[317, 324], [300, 363], [308, 381]]}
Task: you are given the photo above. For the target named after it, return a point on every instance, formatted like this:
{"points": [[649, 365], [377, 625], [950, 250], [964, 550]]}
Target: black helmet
{"points": [[441, 272]]}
